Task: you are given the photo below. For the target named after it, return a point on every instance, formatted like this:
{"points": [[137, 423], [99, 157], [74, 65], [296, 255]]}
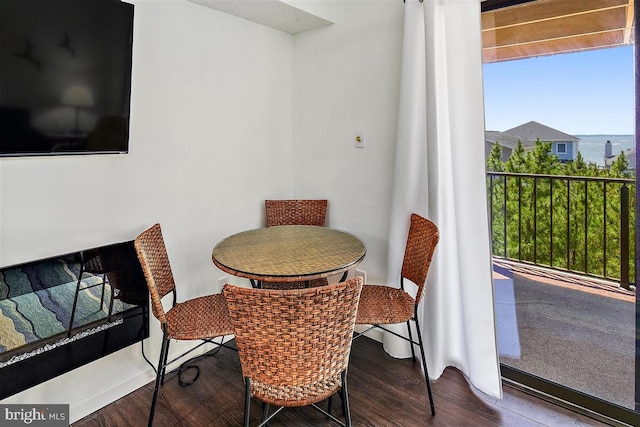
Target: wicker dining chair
{"points": [[296, 212], [294, 344], [202, 318], [386, 305]]}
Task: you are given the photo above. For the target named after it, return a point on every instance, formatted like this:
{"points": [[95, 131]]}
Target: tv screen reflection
{"points": [[65, 76]]}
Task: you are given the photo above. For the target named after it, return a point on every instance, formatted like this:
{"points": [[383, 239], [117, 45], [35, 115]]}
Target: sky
{"points": [[584, 93]]}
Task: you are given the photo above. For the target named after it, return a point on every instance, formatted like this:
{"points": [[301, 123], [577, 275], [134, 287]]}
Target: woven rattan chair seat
{"points": [[198, 318], [295, 395], [384, 305]]}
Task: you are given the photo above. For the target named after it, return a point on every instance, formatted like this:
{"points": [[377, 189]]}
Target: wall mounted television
{"points": [[65, 77]]}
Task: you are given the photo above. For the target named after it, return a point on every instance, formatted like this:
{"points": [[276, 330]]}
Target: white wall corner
{"points": [[290, 16], [325, 9]]}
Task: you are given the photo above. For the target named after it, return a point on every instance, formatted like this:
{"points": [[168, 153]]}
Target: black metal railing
{"points": [[576, 224]]}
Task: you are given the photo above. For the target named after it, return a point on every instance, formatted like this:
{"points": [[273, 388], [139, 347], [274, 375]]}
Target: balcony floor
{"points": [[572, 330]]}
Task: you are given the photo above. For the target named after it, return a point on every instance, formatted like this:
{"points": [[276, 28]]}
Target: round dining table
{"points": [[288, 253]]}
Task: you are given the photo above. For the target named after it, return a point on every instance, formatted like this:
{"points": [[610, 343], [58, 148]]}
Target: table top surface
{"points": [[288, 253]]}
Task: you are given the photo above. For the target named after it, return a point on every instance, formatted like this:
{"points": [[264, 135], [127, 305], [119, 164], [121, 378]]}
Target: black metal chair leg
{"points": [[247, 401], [104, 283], [413, 353], [166, 358], [330, 403], [345, 400], [159, 375], [424, 366], [345, 403], [110, 306], [75, 303], [265, 412]]}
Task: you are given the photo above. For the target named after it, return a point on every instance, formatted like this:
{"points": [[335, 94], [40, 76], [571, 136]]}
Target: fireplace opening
{"points": [[59, 313]]}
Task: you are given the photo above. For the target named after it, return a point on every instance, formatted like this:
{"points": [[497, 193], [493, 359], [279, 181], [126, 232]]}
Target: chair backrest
{"points": [[154, 261], [421, 243], [295, 212], [311, 328]]}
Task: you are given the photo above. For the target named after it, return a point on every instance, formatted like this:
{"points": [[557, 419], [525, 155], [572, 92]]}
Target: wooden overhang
{"points": [[545, 27]]}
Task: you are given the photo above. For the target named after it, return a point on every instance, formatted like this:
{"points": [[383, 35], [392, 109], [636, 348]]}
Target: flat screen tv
{"points": [[65, 76]]}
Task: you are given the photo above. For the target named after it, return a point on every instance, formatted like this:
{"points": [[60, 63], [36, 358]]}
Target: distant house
{"points": [[564, 146], [610, 156], [507, 143]]}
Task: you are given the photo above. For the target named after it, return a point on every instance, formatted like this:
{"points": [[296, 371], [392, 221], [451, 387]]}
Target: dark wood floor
{"points": [[383, 392]]}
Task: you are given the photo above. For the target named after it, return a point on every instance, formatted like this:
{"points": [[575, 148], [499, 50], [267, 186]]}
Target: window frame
{"points": [[562, 145]]}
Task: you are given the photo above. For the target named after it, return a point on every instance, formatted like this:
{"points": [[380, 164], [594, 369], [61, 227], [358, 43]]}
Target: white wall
{"points": [[347, 77], [211, 138]]}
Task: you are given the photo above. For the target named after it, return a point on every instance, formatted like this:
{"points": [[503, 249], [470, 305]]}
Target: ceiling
{"points": [[545, 27], [529, 28], [277, 14]]}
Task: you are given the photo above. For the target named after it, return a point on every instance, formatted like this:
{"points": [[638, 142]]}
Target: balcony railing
{"points": [[581, 225]]}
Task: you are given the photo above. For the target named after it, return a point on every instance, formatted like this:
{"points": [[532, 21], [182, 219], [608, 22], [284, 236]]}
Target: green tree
{"points": [[517, 160], [494, 162], [619, 167], [566, 223], [577, 166], [541, 160]]}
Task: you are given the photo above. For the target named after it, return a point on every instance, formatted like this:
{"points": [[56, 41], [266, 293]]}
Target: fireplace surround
{"points": [[59, 313]]}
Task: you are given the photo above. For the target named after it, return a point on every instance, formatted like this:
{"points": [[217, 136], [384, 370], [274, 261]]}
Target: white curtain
{"points": [[440, 174]]}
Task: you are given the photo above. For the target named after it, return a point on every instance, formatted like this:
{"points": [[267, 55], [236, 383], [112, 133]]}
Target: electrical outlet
{"points": [[358, 137], [223, 281], [362, 274]]}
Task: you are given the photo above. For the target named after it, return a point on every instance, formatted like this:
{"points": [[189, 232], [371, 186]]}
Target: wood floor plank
{"points": [[383, 392]]}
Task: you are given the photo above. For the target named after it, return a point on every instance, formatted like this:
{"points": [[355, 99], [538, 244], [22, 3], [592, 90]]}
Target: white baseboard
{"points": [[81, 408]]}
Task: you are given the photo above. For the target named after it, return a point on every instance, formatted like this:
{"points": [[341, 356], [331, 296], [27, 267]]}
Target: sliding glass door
{"points": [[560, 107]]}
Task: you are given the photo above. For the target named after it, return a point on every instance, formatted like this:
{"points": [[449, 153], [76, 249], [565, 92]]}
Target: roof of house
{"points": [[534, 130], [629, 154], [506, 140]]}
